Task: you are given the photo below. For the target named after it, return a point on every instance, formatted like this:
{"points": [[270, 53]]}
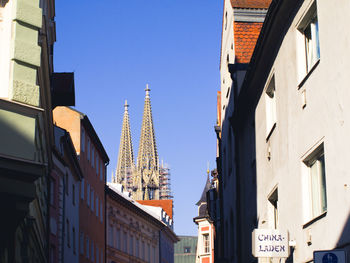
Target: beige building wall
{"points": [[131, 237], [312, 109], [70, 120]]}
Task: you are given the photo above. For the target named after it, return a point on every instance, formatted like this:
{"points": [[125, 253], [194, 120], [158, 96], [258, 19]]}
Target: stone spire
{"points": [[125, 166], [146, 179]]}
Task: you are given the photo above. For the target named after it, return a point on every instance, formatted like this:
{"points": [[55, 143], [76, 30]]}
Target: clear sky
{"points": [[115, 47]]}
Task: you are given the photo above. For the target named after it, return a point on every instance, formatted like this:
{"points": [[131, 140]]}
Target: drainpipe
{"points": [[63, 218]]}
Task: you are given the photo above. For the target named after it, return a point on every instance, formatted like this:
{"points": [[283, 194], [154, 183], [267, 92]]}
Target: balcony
{"points": [[22, 155]]}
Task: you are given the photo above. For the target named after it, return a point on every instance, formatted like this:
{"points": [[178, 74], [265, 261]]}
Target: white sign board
{"points": [[329, 256], [270, 243]]}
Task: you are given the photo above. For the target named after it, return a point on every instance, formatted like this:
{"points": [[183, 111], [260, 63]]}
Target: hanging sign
{"points": [[270, 243], [330, 256]]}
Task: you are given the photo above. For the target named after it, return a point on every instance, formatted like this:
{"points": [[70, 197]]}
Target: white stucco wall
{"points": [[204, 228], [326, 118], [227, 51]]}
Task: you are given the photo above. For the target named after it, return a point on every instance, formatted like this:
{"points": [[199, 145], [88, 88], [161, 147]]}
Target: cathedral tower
{"points": [[146, 176], [147, 180], [126, 165]]}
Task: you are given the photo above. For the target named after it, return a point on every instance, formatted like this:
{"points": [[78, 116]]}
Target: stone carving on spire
{"points": [[126, 165], [147, 159]]}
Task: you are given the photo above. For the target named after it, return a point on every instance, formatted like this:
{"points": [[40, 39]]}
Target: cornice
{"points": [[249, 15]]}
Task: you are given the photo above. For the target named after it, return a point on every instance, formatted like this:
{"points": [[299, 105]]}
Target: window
{"points": [[131, 245], [270, 102], [52, 191], [82, 188], [68, 233], [125, 245], [97, 255], [73, 236], [309, 29], [97, 163], [143, 251], [110, 234], [67, 183], [316, 182], [118, 238], [88, 194], [149, 252], [206, 243], [101, 172], [87, 247], [96, 208], [81, 243], [92, 199], [101, 212], [273, 199], [92, 156], [154, 255], [137, 248], [88, 149], [187, 250], [82, 140], [73, 194]]}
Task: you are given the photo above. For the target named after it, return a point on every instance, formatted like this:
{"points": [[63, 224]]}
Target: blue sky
{"points": [[115, 47]]}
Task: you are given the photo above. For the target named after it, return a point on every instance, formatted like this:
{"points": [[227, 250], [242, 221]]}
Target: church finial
{"points": [[208, 171], [126, 105], [147, 91]]}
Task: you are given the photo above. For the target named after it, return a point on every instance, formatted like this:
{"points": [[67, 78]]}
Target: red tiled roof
{"points": [[250, 3], [245, 37], [167, 205]]}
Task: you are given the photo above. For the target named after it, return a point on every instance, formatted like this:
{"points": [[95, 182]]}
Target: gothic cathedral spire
{"points": [[146, 180], [126, 165]]}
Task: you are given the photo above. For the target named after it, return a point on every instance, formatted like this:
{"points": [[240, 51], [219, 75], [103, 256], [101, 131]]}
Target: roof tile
{"points": [[245, 37], [251, 4]]}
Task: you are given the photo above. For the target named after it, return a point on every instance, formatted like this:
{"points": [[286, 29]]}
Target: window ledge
{"points": [[309, 223], [308, 74]]}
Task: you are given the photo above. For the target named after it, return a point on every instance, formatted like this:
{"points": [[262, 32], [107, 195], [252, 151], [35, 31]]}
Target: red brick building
{"points": [[93, 160]]}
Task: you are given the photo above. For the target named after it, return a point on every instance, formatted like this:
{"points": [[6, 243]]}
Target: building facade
{"points": [[301, 126], [65, 181], [287, 132], [27, 36], [185, 249], [136, 233], [206, 229], [93, 160], [236, 185]]}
